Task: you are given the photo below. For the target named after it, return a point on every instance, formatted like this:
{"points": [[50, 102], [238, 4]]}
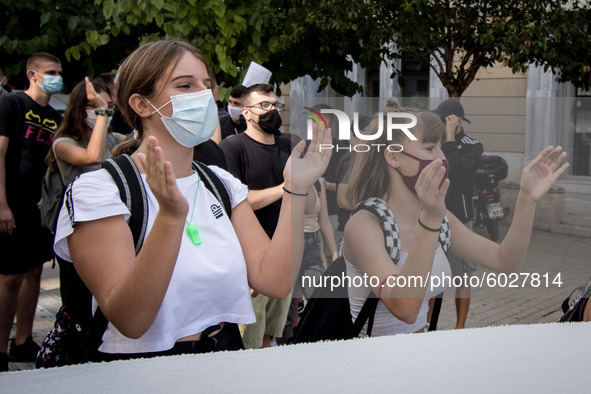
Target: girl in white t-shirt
{"points": [[412, 181], [188, 287]]}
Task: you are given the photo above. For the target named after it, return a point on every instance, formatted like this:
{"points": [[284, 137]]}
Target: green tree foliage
{"points": [[229, 35], [29, 26], [463, 36], [294, 38], [324, 39]]}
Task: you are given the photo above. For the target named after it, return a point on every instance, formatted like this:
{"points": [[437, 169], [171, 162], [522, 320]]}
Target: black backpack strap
{"points": [[436, 311], [383, 213], [445, 235], [214, 184], [367, 312], [381, 210], [133, 194]]}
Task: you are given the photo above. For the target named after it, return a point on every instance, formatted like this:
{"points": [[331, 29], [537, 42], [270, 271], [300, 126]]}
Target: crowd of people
{"points": [[226, 279]]}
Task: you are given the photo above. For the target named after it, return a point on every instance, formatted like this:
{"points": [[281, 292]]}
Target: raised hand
{"points": [[93, 98], [542, 172], [452, 126], [162, 181], [301, 172]]}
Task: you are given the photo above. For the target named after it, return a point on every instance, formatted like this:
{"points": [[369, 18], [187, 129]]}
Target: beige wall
{"points": [[285, 100], [495, 103]]}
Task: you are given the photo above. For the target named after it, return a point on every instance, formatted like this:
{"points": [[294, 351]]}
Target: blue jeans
{"points": [[312, 262]]}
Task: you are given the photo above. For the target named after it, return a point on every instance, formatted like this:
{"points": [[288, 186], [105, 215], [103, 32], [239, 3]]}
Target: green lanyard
{"points": [[192, 229]]}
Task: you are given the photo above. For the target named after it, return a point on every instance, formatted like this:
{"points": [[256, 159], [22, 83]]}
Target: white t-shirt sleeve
{"points": [[237, 190], [94, 195]]}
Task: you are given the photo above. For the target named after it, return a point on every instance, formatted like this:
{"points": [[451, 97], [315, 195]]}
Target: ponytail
{"points": [[127, 147]]}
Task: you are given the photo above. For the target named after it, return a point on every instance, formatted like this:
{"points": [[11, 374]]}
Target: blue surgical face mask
{"points": [[194, 117], [52, 84]]}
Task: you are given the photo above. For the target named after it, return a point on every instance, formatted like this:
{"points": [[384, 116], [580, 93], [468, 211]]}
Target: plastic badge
{"points": [[193, 233]]}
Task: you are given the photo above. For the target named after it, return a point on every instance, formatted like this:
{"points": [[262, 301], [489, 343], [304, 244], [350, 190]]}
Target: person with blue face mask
{"points": [[27, 125], [52, 84], [187, 289]]}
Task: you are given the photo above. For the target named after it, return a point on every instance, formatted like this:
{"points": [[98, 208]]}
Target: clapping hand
{"points": [[301, 172], [431, 188], [542, 172], [162, 181]]}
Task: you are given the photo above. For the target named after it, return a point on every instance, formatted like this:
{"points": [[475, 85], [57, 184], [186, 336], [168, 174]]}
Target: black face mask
{"points": [[270, 122], [242, 121]]}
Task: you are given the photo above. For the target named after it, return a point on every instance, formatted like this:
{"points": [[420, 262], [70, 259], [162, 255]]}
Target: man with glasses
{"points": [[27, 125], [257, 157]]}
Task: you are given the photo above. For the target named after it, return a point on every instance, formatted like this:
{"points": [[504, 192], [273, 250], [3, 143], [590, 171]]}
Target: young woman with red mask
{"points": [[410, 184]]}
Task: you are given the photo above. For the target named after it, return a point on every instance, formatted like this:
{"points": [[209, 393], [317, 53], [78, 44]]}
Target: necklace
{"points": [[403, 210], [192, 229]]}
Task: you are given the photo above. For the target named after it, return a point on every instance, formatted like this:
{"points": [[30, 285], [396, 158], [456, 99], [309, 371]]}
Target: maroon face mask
{"points": [[410, 181]]}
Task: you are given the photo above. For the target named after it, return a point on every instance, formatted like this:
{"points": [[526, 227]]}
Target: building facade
{"points": [[514, 115]]}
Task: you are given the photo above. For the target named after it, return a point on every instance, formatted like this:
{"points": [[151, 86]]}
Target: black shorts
{"points": [[30, 245]]}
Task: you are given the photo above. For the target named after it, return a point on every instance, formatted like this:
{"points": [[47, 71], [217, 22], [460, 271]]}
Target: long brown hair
{"points": [[74, 123], [139, 74], [368, 176]]}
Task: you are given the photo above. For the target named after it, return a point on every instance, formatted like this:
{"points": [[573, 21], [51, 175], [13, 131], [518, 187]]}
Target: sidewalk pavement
{"points": [[514, 299]]}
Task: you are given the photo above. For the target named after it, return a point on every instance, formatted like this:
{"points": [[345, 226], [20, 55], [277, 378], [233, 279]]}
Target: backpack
{"points": [[327, 314], [573, 312], [52, 197], [53, 187], [77, 333]]}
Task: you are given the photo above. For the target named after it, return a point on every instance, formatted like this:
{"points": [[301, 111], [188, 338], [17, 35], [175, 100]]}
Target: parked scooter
{"points": [[486, 200]]}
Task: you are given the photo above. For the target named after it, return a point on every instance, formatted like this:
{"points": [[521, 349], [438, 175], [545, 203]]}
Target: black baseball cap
{"points": [[451, 107]]}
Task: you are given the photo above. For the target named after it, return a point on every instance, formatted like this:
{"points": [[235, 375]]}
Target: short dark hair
{"points": [[237, 91], [106, 81], [263, 88], [35, 59]]}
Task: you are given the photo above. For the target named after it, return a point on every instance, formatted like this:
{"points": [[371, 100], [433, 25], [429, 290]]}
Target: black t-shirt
{"points": [[209, 153], [342, 173], [258, 166], [30, 128]]}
